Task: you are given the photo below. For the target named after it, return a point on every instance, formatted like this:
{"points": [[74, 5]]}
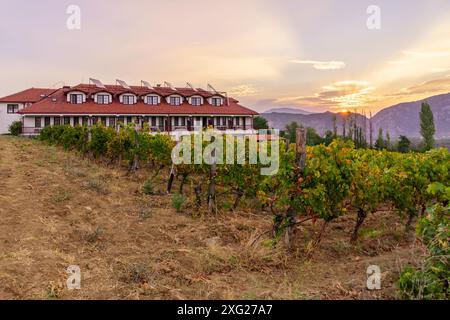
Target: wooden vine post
{"points": [[171, 178], [300, 159], [135, 165], [118, 137], [212, 181]]}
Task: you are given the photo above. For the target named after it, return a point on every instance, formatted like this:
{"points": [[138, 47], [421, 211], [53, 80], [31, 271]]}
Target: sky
{"points": [[313, 55]]}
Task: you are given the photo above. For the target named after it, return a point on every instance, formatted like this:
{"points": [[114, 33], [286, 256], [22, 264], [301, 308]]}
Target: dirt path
{"points": [[57, 209]]}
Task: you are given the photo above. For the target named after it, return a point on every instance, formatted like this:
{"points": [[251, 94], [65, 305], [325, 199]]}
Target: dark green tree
{"points": [[404, 144], [329, 137], [260, 123], [290, 131], [334, 126], [380, 143], [427, 128], [312, 137], [388, 141]]}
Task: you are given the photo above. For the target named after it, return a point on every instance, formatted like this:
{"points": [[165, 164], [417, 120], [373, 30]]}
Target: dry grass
{"points": [[58, 209]]}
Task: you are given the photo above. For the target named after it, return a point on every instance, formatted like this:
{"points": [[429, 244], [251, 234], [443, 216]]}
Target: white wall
{"points": [[29, 122], [7, 118]]}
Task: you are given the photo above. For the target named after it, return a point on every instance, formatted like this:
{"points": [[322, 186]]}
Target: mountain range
{"points": [[288, 110], [400, 119]]}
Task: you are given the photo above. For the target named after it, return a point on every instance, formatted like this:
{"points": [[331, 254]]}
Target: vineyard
{"points": [[313, 184]]}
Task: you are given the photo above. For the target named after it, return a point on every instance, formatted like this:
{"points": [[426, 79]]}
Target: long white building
{"points": [[163, 108]]}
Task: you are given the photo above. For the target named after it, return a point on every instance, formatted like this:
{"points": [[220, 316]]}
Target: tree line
{"points": [[358, 134]]}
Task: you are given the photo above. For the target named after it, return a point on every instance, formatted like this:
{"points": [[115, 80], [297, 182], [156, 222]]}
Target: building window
{"points": [[94, 120], [129, 120], [121, 120], [37, 122], [112, 121], [56, 121], [76, 121], [102, 98], [66, 121], [103, 120], [46, 121], [183, 121], [12, 108], [85, 121], [196, 101], [175, 101], [153, 121], [153, 100], [128, 99], [76, 98], [175, 121], [216, 101]]}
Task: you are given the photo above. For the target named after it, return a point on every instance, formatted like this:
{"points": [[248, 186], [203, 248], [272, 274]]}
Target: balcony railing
{"points": [[37, 130], [31, 130]]}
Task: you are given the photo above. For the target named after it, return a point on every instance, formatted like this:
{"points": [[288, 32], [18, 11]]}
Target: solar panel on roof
{"points": [[168, 84], [97, 83], [191, 86], [123, 84], [211, 88], [146, 84]]}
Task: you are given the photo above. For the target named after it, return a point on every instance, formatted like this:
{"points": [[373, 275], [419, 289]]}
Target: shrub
{"points": [[100, 137], [15, 128], [98, 186], [147, 188], [178, 201], [431, 281]]}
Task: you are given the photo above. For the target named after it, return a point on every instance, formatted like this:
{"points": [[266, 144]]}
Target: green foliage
{"points": [[404, 144], [336, 176], [427, 128], [15, 128], [260, 123], [100, 136], [312, 137], [380, 143], [148, 188], [432, 280], [178, 200], [290, 131]]}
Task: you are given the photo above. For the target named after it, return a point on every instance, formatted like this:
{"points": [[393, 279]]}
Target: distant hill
{"points": [[319, 121], [401, 119], [288, 110]]}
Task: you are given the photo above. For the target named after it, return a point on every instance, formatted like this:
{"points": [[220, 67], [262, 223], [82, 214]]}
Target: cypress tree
{"points": [[427, 128]]}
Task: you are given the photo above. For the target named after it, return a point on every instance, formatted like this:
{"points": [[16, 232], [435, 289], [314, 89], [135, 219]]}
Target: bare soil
{"points": [[58, 209]]}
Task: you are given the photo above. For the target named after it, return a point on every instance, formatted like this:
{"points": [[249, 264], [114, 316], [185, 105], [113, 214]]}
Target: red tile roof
{"points": [[57, 103], [140, 91], [30, 95]]}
